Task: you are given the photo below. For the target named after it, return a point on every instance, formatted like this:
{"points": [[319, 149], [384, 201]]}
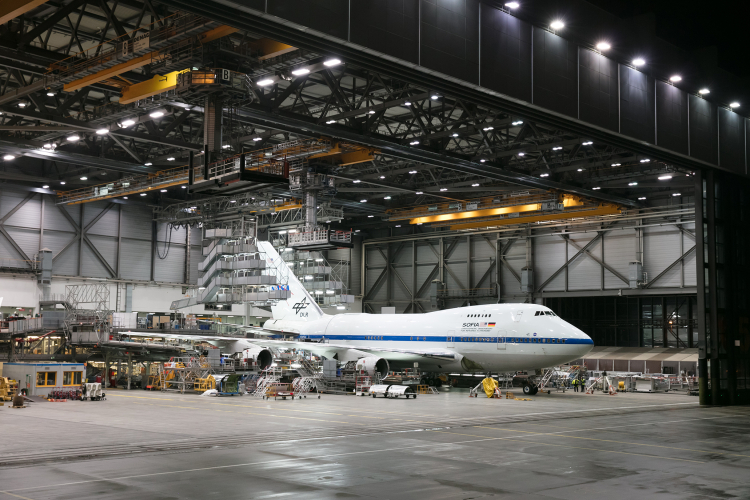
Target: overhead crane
{"points": [[513, 208]]}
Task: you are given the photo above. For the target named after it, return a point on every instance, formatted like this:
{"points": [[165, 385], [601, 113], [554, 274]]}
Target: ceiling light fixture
{"points": [[46, 186], [704, 91], [363, 201], [642, 198], [102, 131], [84, 178], [543, 175], [413, 143], [487, 129], [419, 192], [580, 170], [434, 97], [370, 216], [62, 183], [398, 225], [148, 164], [332, 62], [616, 164], [265, 82], [50, 93], [382, 176], [256, 139], [557, 25], [412, 171], [521, 154], [387, 198], [48, 146], [734, 105], [455, 134], [407, 103], [603, 46], [356, 181], [300, 72], [371, 112], [676, 194], [329, 122], [557, 148], [482, 160], [171, 158], [639, 61], [143, 194], [127, 123], [632, 183], [157, 114], [73, 138], [645, 160], [517, 122], [163, 190], [443, 189], [665, 177], [8, 157], [587, 143], [124, 197], [21, 104], [597, 188], [675, 78], [475, 185], [512, 5]]}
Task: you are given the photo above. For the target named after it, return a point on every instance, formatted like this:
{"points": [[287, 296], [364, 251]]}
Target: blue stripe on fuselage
{"points": [[479, 339]]}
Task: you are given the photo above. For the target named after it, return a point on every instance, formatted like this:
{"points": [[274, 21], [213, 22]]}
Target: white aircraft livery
{"points": [[484, 338], [496, 338]]}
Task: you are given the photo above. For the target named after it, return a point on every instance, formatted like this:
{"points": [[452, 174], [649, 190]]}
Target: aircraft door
{"points": [[501, 340], [449, 338]]}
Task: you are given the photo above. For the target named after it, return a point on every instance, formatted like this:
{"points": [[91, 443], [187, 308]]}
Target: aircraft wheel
{"points": [[527, 390], [534, 390]]}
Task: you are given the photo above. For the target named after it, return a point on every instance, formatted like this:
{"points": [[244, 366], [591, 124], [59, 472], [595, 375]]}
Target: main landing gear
{"points": [[530, 390]]}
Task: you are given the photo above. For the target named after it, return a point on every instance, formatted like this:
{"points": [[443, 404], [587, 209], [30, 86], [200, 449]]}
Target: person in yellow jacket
{"points": [[490, 386]]}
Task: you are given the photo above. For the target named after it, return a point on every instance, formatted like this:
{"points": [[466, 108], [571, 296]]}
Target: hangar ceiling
{"points": [[64, 74]]}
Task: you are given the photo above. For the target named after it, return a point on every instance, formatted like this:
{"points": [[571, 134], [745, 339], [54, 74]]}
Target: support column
{"points": [[130, 368]]}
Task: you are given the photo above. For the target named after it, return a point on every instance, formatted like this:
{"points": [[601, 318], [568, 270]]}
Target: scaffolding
{"points": [[88, 316]]}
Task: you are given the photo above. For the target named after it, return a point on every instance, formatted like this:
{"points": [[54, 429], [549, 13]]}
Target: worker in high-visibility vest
{"points": [[575, 385]]}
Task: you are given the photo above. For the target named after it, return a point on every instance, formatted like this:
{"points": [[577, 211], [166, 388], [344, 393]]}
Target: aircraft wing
{"points": [[325, 347]]}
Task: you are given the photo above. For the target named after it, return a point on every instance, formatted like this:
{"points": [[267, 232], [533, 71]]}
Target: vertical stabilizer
{"points": [[300, 306]]}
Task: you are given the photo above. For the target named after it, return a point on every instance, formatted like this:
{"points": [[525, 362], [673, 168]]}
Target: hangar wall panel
{"points": [[671, 118], [27, 239], [660, 249], [555, 73], [619, 252], [703, 129], [515, 257], [506, 54], [329, 16], [450, 37], [598, 89], [636, 104], [731, 141], [549, 257], [584, 273], [390, 26], [135, 262]]}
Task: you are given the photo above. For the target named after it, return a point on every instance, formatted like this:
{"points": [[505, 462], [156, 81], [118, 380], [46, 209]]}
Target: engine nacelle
{"points": [[372, 364], [257, 357]]}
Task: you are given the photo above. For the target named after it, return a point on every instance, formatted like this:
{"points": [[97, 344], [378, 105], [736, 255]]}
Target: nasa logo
{"points": [[534, 334]]}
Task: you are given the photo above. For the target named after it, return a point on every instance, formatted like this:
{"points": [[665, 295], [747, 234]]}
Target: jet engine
{"points": [[372, 364], [258, 356]]}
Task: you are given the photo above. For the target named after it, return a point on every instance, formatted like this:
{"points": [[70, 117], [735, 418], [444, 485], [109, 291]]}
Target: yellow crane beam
{"points": [[11, 9], [140, 61], [604, 209], [154, 86]]}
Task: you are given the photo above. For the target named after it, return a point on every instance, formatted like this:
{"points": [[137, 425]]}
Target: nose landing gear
{"points": [[530, 390]]}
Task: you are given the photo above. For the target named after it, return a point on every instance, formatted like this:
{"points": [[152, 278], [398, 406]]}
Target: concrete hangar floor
{"points": [[166, 445]]}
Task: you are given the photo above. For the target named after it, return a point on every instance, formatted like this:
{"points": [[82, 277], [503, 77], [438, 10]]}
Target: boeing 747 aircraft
{"points": [[485, 338]]}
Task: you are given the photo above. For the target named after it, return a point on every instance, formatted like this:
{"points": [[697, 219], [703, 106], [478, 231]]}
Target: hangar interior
{"points": [[170, 166]]}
